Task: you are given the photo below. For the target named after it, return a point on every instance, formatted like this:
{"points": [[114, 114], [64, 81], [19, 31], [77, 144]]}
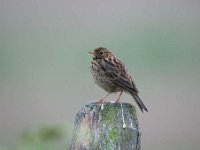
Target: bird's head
{"points": [[100, 53]]}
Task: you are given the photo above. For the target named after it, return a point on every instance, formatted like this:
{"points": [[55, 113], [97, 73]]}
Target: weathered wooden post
{"points": [[108, 126]]}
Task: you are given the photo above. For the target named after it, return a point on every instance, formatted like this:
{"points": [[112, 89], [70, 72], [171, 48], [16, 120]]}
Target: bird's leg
{"points": [[119, 97], [101, 100]]}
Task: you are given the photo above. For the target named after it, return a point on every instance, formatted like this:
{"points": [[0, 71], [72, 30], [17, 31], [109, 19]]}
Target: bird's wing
{"points": [[118, 74]]}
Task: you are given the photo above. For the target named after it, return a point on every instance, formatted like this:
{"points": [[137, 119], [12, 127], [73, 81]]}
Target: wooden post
{"points": [[108, 126]]}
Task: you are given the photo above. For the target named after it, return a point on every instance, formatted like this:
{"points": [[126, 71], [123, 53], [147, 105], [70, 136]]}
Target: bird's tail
{"points": [[139, 102]]}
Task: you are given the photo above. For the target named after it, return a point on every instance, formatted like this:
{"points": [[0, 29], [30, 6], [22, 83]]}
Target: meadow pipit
{"points": [[111, 75]]}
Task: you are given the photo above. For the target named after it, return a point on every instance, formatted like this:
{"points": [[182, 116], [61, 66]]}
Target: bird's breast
{"points": [[101, 79]]}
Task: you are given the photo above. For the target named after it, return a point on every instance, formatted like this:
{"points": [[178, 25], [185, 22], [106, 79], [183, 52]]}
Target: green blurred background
{"points": [[45, 79]]}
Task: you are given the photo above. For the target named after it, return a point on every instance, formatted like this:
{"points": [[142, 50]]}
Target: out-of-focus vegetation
{"points": [[45, 138]]}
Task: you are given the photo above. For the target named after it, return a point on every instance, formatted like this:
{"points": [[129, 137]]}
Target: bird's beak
{"points": [[91, 53]]}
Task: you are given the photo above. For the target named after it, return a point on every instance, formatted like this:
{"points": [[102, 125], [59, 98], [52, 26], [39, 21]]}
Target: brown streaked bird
{"points": [[111, 75]]}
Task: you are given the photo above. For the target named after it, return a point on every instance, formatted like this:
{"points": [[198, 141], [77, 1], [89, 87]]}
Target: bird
{"points": [[110, 74]]}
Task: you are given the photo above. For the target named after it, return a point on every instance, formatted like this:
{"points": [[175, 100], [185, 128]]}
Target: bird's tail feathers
{"points": [[139, 102]]}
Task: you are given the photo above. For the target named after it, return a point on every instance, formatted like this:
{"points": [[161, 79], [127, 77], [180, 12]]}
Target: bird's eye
{"points": [[101, 53]]}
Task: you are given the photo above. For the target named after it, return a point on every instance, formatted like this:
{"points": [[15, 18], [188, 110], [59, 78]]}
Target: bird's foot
{"points": [[99, 102], [117, 101]]}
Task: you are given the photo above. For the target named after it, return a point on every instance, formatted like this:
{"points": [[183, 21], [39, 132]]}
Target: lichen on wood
{"points": [[108, 126]]}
